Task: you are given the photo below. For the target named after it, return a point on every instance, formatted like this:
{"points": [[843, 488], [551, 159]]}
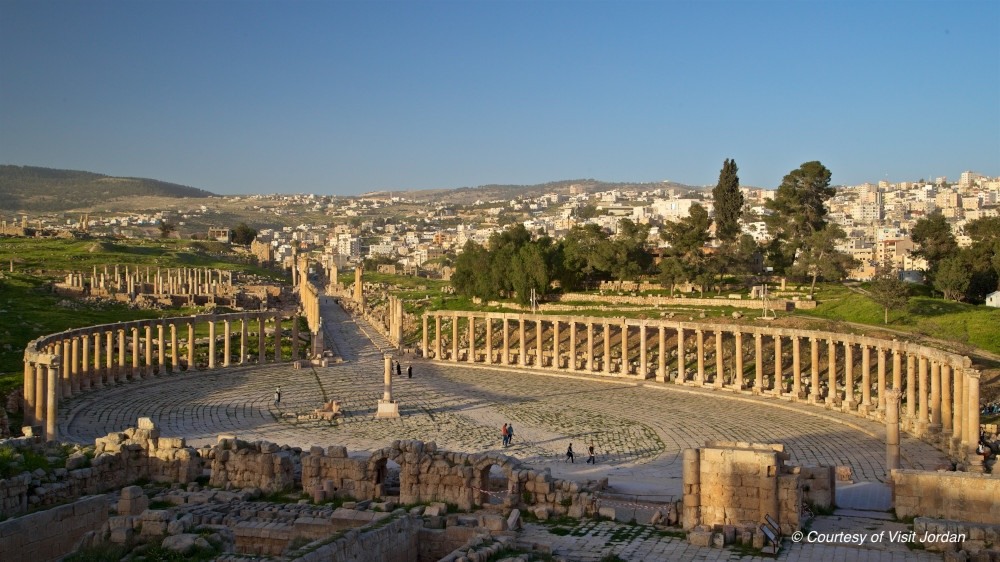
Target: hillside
{"points": [[469, 195], [33, 189]]}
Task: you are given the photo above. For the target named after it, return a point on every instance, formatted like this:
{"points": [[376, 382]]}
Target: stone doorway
{"points": [[494, 485], [386, 475]]}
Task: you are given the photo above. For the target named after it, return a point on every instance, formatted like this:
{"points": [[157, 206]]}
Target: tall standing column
{"points": [[958, 414], [571, 360], [85, 367], [661, 355], [454, 338], [29, 393], [424, 339], [136, 372], [161, 350], [946, 400], [606, 343], [119, 370], [387, 407], [190, 347], [975, 460], [67, 365], [555, 344], [52, 402], [98, 375], [505, 355], [522, 349], [814, 395], [849, 402], [700, 339], [227, 332], [538, 344], [779, 383], [880, 357], [590, 346], [437, 337], [471, 331], [935, 405], [244, 340], [211, 343], [643, 361], [911, 388], [758, 378], [738, 350], [833, 395], [891, 432], [175, 365], [681, 374], [261, 344], [148, 342], [41, 392], [922, 421], [866, 378], [623, 368], [720, 357], [489, 340], [796, 368]]}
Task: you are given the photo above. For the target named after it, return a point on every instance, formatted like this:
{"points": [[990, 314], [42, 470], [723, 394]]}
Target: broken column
{"points": [[891, 431], [387, 407]]}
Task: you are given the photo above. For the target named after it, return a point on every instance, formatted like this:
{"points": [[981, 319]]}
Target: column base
{"points": [[849, 405], [975, 463], [921, 428], [387, 409], [934, 428], [864, 409], [815, 399]]}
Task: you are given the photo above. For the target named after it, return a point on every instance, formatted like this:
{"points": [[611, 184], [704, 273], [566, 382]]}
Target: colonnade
{"points": [[62, 365], [836, 371], [179, 281]]}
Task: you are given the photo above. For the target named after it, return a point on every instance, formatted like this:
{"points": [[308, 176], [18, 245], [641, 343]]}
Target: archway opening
{"points": [[494, 485]]}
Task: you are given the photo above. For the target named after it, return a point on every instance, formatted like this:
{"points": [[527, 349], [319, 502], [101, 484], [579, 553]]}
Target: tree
{"points": [[932, 234], [888, 290], [687, 238], [952, 278], [243, 234], [166, 228], [728, 203], [818, 256], [797, 210]]}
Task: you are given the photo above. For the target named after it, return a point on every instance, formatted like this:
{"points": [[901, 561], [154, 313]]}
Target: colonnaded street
{"points": [[639, 429]]}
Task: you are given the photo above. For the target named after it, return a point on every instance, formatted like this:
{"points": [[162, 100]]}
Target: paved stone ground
{"points": [[639, 429]]}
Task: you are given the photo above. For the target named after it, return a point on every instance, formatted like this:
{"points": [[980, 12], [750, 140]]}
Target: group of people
{"points": [[507, 433], [570, 456], [399, 369]]}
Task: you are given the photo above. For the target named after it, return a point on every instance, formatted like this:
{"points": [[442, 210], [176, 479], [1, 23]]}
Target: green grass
{"points": [[31, 461]]}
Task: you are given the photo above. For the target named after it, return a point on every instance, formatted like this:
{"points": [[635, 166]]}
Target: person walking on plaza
{"points": [[510, 433], [409, 371], [399, 369], [569, 454], [504, 434], [277, 396], [591, 459]]}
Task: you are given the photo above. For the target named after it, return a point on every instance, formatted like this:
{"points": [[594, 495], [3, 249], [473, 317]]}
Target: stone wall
{"points": [[260, 464], [738, 484], [397, 541], [53, 533], [947, 495], [750, 304]]}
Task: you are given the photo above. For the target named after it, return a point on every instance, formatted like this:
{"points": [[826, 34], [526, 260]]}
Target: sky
{"points": [[346, 97]]}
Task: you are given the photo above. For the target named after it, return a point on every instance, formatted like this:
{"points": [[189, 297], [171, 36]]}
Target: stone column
{"points": [[849, 402], [29, 393], [98, 376], [109, 355], [691, 516], [538, 344], [833, 395], [227, 332], [52, 402], [555, 344], [866, 378], [148, 341], [738, 348], [606, 358], [522, 349], [505, 355], [958, 414], [922, 421], [41, 392], [758, 379], [136, 371], [423, 339], [623, 369], [881, 377], [190, 347], [700, 338], [779, 383], [975, 460], [720, 371], [935, 405], [296, 344], [244, 340], [437, 337], [661, 355], [211, 343], [796, 368], [161, 350], [489, 340], [891, 432], [74, 365], [454, 337], [387, 407], [681, 375], [175, 365], [85, 367], [571, 361], [471, 320], [590, 346], [643, 361], [66, 387], [911, 388], [946, 400], [814, 396]]}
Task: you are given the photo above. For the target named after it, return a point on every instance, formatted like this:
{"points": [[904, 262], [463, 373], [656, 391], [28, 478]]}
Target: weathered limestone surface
{"points": [[53, 533], [260, 465], [947, 495]]}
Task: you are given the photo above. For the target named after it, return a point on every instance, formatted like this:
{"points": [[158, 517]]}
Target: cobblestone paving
{"points": [[638, 429]]}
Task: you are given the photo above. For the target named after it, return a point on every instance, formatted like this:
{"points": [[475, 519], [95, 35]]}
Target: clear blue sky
{"points": [[348, 97]]}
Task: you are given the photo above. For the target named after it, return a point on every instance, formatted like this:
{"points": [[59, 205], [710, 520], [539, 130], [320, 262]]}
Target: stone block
{"points": [[514, 520], [718, 540], [542, 512], [608, 512], [700, 538], [494, 523]]}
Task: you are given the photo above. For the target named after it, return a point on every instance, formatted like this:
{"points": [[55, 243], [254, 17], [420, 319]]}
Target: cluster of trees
{"points": [[803, 245], [960, 274]]}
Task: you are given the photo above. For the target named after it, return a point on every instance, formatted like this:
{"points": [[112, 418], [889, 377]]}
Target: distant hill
{"points": [[33, 189], [468, 195]]}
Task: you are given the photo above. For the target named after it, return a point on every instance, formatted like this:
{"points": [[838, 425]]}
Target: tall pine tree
{"points": [[728, 203]]}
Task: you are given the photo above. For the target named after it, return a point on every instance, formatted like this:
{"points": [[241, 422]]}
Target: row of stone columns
{"points": [[63, 365], [941, 390], [200, 281]]}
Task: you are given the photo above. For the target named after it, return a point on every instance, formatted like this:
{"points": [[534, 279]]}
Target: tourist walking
{"points": [[409, 371], [591, 459], [399, 369], [277, 396], [504, 434], [569, 454], [510, 433]]}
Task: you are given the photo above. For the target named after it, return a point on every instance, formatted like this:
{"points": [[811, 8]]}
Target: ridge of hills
{"points": [[36, 189]]}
